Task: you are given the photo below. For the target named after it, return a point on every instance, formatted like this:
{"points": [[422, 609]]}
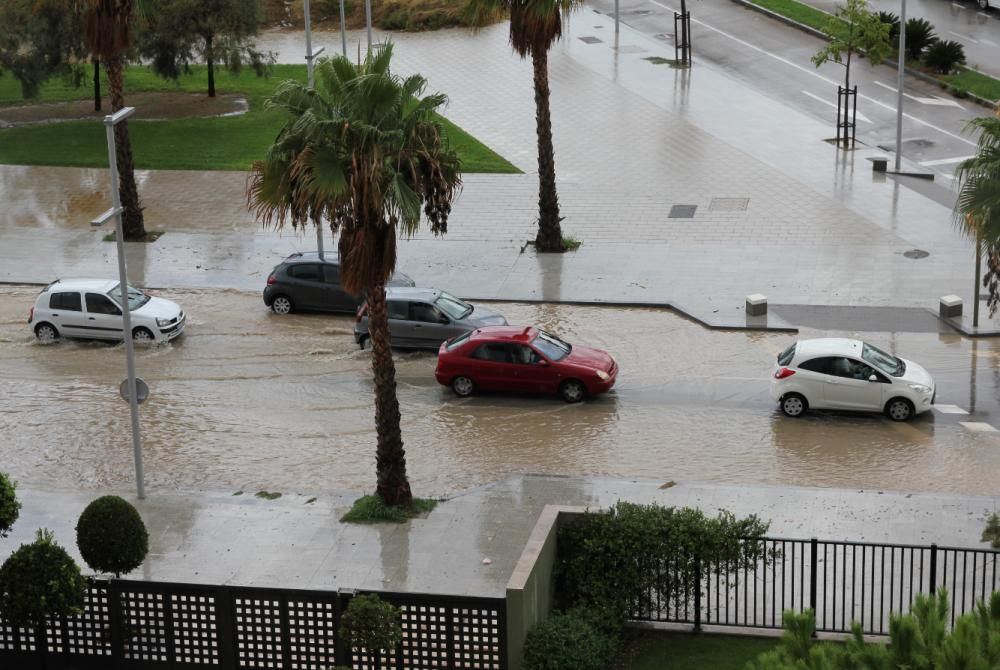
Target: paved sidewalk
{"points": [[780, 213], [218, 538]]}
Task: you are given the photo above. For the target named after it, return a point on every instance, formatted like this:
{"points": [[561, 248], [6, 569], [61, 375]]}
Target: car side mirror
{"points": [[543, 362], [873, 378]]}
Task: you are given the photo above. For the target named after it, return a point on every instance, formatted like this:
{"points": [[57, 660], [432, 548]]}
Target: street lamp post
{"points": [[901, 74], [115, 212], [368, 22], [343, 30], [310, 56]]}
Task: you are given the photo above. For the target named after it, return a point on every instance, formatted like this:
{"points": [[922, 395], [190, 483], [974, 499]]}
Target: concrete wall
{"points": [[530, 589]]}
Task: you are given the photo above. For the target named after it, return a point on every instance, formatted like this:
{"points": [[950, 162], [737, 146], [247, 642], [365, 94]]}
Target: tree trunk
{"points": [[97, 85], [132, 222], [390, 457], [210, 58], [549, 236]]}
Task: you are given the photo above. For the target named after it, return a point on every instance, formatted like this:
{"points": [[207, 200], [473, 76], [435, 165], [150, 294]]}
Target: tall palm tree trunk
{"points": [[549, 236], [390, 457], [210, 60], [132, 222]]}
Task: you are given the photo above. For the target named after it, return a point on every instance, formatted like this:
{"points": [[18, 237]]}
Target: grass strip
{"points": [[371, 509], [797, 11], [687, 651]]}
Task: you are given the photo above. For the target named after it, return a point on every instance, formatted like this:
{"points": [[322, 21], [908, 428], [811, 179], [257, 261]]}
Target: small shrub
{"points": [[944, 55], [371, 623], [991, 533], [959, 92], [10, 506], [919, 36], [371, 509], [39, 581], [568, 641], [111, 536]]}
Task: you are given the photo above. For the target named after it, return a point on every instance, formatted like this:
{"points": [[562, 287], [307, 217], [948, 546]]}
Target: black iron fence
{"points": [[129, 624], [842, 582]]}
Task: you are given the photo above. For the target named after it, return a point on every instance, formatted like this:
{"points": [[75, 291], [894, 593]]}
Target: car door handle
{"points": [[832, 381], [91, 318], [417, 325]]}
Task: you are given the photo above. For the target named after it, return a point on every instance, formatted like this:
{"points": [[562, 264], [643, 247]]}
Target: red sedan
{"points": [[523, 360]]}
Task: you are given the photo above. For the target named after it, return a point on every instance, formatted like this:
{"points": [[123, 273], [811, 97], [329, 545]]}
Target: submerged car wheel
{"points": [[794, 405], [46, 332], [572, 390], [282, 304], [462, 386], [899, 409], [142, 336], [984, 4]]}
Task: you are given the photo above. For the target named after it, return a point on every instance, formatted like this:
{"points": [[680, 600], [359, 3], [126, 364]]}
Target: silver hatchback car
{"points": [[423, 318]]}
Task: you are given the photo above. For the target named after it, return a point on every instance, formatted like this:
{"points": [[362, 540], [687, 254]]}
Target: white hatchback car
{"points": [[91, 308], [840, 373]]}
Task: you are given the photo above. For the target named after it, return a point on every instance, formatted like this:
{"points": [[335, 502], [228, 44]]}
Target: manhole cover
{"points": [[916, 253], [590, 39], [729, 204], [682, 211]]}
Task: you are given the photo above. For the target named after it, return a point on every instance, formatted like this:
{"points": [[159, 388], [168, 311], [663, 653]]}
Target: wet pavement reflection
{"points": [[249, 400]]}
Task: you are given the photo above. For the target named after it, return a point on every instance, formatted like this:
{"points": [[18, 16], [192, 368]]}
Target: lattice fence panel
{"points": [[425, 636], [195, 620], [145, 625], [258, 632], [477, 638], [89, 633], [16, 639], [312, 627]]}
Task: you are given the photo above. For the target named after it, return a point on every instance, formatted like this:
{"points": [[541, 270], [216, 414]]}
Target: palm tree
{"points": [[107, 31], [363, 151], [534, 26], [978, 208]]}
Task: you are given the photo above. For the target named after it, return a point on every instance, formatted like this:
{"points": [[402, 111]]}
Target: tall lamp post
{"points": [[901, 74], [310, 56], [115, 212]]}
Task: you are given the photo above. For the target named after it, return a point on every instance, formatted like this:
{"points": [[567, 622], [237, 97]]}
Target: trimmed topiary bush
{"points": [[111, 536], [919, 36], [944, 55], [38, 581], [10, 506], [568, 641], [371, 623]]}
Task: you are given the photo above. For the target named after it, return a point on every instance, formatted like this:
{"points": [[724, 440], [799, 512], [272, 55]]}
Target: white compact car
{"points": [[91, 308], [838, 373]]}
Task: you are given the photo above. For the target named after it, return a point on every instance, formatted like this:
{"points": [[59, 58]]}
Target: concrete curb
{"points": [[923, 76], [967, 331]]}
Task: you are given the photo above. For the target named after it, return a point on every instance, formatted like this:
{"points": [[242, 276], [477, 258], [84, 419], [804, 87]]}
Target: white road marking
{"points": [[989, 43], [830, 104], [936, 100], [978, 427], [955, 4], [815, 74], [945, 161], [984, 15], [964, 37], [949, 409]]}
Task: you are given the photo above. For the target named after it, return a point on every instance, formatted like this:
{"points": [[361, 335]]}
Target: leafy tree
{"points": [[10, 506], [217, 31], [108, 34], [111, 536], [38, 40], [365, 152], [977, 210], [854, 28], [535, 25]]}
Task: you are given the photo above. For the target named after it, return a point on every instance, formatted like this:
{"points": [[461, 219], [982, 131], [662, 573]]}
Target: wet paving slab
{"points": [[248, 400]]}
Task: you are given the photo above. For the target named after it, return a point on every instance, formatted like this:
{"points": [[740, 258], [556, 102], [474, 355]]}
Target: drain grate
{"points": [[682, 211], [729, 204], [590, 39], [916, 253]]}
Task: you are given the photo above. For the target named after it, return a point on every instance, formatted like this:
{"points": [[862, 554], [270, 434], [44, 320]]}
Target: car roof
{"points": [[312, 256], [412, 293], [828, 346], [82, 284], [508, 333]]}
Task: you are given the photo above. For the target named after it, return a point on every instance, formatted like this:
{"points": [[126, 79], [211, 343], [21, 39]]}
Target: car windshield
{"points": [[887, 363], [551, 346], [456, 342], [453, 307], [136, 298]]}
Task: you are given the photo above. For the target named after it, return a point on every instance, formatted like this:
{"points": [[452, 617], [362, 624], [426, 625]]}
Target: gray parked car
{"points": [[303, 282], [423, 318]]}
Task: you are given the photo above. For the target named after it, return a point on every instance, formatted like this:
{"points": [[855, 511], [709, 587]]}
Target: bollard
{"points": [[756, 304], [950, 307], [879, 163]]}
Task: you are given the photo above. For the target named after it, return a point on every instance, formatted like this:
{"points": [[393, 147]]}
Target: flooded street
{"points": [[247, 400]]}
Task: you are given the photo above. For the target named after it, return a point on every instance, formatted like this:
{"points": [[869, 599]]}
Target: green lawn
{"points": [[229, 143], [812, 17], [687, 651], [980, 84]]}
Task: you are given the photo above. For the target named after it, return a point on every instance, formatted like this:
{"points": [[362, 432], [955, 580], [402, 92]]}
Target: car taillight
{"points": [[361, 312], [783, 372], [271, 279]]}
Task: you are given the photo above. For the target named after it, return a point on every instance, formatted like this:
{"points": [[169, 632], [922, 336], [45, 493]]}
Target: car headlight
{"points": [[920, 388], [602, 375], [162, 322]]}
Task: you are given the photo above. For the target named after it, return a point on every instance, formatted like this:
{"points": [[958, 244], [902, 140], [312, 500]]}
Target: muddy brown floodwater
{"points": [[250, 400]]}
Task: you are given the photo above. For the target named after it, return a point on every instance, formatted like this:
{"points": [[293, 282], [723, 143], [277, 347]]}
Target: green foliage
{"points": [[991, 533], [372, 624], [568, 641], [39, 581], [978, 208], [797, 11], [38, 39], [111, 536], [371, 509], [944, 55], [616, 560], [892, 20], [919, 36], [10, 506], [855, 28], [687, 651]]}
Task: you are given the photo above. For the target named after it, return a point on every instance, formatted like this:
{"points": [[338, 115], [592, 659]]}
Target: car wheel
{"points": [[46, 332], [899, 409], [463, 386], [282, 304], [984, 4], [142, 335], [572, 390], [794, 405]]}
